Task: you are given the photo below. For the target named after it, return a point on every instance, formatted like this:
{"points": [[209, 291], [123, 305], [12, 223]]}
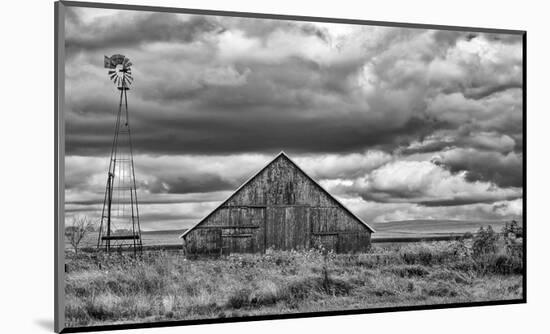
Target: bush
{"points": [[501, 264], [513, 239], [442, 289], [451, 276], [266, 293], [239, 298], [512, 230], [165, 286], [485, 241], [409, 271]]}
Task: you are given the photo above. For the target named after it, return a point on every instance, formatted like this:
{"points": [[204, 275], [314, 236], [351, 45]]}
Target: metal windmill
{"points": [[120, 227]]}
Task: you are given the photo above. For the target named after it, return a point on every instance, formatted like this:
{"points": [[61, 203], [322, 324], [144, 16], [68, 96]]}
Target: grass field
{"points": [[399, 229], [165, 285]]}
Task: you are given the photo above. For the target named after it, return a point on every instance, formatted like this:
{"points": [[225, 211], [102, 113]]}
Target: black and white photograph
{"points": [[217, 167]]}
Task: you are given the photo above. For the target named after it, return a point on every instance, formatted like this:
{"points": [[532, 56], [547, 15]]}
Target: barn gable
{"points": [[279, 207]]}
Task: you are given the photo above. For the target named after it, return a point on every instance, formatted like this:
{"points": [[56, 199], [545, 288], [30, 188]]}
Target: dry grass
{"points": [[167, 286]]}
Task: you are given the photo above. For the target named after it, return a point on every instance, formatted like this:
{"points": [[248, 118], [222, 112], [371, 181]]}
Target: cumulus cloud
{"points": [[424, 183], [386, 212], [424, 119], [334, 166]]}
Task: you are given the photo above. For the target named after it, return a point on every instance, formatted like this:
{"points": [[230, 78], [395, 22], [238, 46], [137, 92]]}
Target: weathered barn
{"points": [[280, 207]]}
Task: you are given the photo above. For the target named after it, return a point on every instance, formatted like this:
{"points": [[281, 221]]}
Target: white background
{"points": [[27, 182]]}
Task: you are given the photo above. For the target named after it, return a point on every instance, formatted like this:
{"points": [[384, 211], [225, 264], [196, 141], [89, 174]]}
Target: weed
{"points": [[164, 285]]}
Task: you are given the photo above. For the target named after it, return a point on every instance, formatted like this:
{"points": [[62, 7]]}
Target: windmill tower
{"points": [[120, 227]]}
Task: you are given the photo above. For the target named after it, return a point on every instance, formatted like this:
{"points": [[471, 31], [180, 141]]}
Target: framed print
{"points": [[225, 166]]}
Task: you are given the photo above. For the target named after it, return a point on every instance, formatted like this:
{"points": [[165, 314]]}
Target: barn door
{"points": [[237, 241], [206, 241], [287, 227], [244, 231]]}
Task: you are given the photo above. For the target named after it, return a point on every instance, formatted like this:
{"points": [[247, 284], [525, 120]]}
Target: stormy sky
{"points": [[397, 123]]}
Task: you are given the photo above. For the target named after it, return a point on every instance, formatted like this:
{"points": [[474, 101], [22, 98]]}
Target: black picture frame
{"points": [[59, 133]]}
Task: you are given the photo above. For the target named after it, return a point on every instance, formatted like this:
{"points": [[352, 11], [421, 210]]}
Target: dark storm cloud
{"points": [[117, 32], [504, 38], [464, 137], [98, 200], [447, 38], [505, 170], [198, 184], [262, 28], [277, 94], [417, 197], [209, 134], [482, 92], [464, 201]]}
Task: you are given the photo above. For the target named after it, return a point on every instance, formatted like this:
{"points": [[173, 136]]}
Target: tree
{"points": [[80, 226]]}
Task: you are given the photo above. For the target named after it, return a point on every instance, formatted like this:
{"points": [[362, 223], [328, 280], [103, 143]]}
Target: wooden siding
{"points": [[280, 208], [288, 227]]}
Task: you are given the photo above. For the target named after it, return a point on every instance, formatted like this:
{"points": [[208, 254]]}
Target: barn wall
{"points": [[280, 208], [281, 184], [240, 230]]}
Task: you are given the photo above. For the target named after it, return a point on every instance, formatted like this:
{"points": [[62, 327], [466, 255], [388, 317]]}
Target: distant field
{"points": [[150, 238], [428, 228], [399, 229]]}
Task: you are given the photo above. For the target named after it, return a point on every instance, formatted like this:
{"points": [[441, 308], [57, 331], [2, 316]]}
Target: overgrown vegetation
{"points": [[78, 228], [164, 286]]}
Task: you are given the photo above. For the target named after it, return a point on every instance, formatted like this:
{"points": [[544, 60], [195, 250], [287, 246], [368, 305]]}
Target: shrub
{"points": [[240, 298], [502, 264], [266, 293], [512, 229], [302, 288], [485, 241], [513, 239], [441, 289], [408, 271], [422, 257], [467, 235], [451, 276]]}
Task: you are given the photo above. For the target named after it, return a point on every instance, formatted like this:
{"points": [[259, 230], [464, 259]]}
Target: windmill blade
{"points": [[113, 75], [108, 62], [129, 76], [112, 71]]}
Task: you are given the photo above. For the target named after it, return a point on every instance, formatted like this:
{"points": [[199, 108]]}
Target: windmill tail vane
{"points": [[120, 70]]}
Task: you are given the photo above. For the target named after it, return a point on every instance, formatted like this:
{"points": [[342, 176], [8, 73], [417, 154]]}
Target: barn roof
{"points": [[282, 154]]}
